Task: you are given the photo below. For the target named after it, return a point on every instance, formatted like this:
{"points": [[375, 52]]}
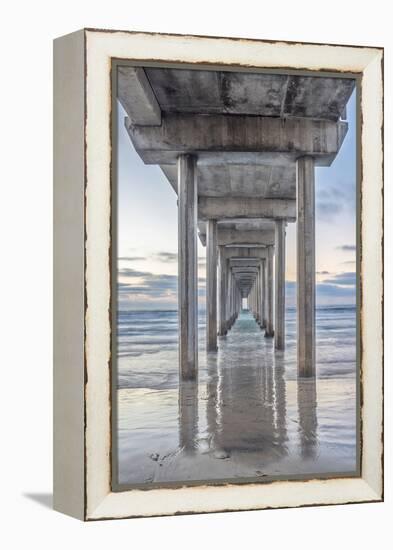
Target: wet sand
{"points": [[246, 417]]}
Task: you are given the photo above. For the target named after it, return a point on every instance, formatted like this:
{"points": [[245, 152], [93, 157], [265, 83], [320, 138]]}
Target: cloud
{"points": [[327, 210], [149, 285], [349, 262], [334, 291], [323, 273], [133, 273], [166, 257], [333, 198], [327, 293], [344, 279], [347, 247], [131, 258]]}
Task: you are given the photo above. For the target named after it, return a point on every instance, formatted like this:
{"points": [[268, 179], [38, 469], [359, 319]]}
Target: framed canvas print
{"points": [[218, 274]]}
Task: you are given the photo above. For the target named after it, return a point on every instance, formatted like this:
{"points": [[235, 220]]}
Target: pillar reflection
{"points": [[188, 415], [308, 422], [246, 407], [280, 401]]}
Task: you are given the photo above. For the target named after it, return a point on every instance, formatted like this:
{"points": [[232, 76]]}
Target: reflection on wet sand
{"points": [[245, 408], [308, 422], [246, 417], [188, 416]]}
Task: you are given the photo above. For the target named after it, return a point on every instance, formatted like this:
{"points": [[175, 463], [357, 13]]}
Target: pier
{"points": [[240, 150]]}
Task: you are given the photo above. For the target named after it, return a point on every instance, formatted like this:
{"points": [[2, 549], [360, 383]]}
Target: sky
{"points": [[147, 230]]}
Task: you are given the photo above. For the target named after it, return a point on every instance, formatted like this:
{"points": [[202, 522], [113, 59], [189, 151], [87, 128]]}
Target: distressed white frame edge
{"points": [[101, 46]]}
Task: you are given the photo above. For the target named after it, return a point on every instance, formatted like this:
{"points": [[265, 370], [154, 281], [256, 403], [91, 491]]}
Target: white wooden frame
{"points": [[82, 107]]}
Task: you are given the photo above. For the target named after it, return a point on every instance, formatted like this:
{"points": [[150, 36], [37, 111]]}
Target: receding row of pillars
{"points": [[260, 299], [219, 320]]}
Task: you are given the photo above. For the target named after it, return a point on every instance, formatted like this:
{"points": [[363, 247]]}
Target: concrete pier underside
{"points": [[254, 140]]}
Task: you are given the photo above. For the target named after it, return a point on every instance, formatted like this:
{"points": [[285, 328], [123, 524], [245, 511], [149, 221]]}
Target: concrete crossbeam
{"points": [[183, 133], [244, 269], [222, 208], [244, 262], [223, 159], [233, 237], [245, 253]]}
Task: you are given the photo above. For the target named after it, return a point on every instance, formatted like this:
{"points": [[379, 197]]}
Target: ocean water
{"points": [[247, 416]]}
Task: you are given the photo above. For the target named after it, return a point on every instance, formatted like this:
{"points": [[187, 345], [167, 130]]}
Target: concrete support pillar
{"points": [[260, 296], [227, 300], [232, 299], [263, 284], [233, 303], [269, 330], [223, 276], [279, 286], [305, 266], [187, 268], [211, 285], [256, 299]]}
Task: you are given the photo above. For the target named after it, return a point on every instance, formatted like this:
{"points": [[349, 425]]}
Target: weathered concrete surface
{"points": [[231, 236], [211, 285], [241, 180], [137, 97], [187, 267], [246, 207], [257, 224], [244, 262], [236, 237], [247, 224], [276, 95], [245, 253], [185, 133], [244, 269], [306, 267]]}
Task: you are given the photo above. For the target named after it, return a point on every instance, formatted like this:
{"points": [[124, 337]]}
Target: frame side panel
{"points": [[69, 266]]}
